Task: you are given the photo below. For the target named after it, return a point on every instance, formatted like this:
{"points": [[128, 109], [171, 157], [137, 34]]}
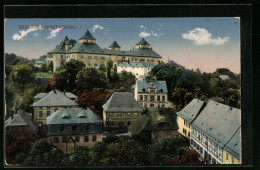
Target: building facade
{"points": [[121, 110], [151, 94], [139, 70], [215, 134], [186, 116], [88, 51], [48, 103], [69, 128]]}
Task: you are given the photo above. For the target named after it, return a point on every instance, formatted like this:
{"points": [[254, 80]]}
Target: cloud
{"points": [[144, 34], [161, 24], [54, 33], [24, 33], [97, 26], [141, 26], [36, 34], [201, 36]]}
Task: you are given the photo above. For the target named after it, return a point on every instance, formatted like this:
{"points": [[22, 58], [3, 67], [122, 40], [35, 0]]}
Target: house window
{"points": [[85, 138], [152, 90], [227, 156], [40, 113], [151, 105], [94, 138], [56, 140], [152, 98], [64, 139], [82, 56], [158, 98], [96, 57], [48, 113], [89, 57], [163, 98], [232, 160], [103, 58], [145, 97], [141, 97], [77, 139]]}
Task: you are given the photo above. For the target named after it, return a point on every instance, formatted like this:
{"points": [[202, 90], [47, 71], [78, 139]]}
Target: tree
{"points": [[97, 153], [50, 66], [80, 156], [109, 66], [22, 74], [190, 157], [44, 68], [54, 157]]}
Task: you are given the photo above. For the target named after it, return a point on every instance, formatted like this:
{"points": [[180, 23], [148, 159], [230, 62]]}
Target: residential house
{"points": [[151, 94], [21, 125], [215, 133], [47, 103], [186, 116], [69, 128], [139, 70], [88, 51], [156, 123], [120, 110]]}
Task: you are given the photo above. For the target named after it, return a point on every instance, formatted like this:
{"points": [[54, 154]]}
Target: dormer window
{"points": [[74, 127], [152, 90]]}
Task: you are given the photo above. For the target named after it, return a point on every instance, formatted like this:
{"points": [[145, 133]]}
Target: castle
{"points": [[88, 51]]}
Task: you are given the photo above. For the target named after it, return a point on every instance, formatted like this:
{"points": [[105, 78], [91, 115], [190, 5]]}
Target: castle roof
{"points": [[114, 45], [136, 64], [122, 102], [66, 39], [54, 98], [142, 42], [87, 36]]}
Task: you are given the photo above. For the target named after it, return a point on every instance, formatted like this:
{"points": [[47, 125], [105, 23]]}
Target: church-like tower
{"points": [[87, 38]]}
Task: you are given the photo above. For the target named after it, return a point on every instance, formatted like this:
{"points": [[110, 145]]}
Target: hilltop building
{"points": [[139, 70], [88, 51], [121, 110], [72, 127], [151, 93], [47, 103], [156, 123]]}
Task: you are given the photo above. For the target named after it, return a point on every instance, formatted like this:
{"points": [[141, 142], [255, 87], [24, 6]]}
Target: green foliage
{"points": [[54, 157], [44, 68], [109, 66], [97, 153], [80, 156]]}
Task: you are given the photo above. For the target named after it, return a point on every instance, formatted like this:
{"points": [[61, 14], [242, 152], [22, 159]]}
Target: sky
{"points": [[205, 43]]}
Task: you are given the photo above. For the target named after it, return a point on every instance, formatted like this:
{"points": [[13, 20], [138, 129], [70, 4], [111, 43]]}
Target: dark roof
{"points": [[68, 94], [87, 36], [136, 64], [142, 86], [155, 119], [59, 48], [218, 122], [71, 42], [114, 45], [66, 39], [191, 111], [122, 102], [22, 118], [54, 98], [234, 144], [73, 121], [142, 42], [85, 48]]}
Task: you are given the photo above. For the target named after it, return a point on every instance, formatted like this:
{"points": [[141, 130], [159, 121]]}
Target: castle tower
{"points": [[114, 46], [142, 44], [88, 38]]}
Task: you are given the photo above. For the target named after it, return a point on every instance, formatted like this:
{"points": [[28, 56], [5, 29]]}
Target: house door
{"points": [[70, 145]]}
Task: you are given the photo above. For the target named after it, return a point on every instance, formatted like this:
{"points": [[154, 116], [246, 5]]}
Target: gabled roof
{"points": [[142, 86], [87, 36], [22, 118], [68, 94], [234, 144], [114, 45], [122, 102], [218, 122], [136, 64], [59, 48], [155, 119], [142, 42], [72, 116], [191, 111], [54, 98], [66, 39]]}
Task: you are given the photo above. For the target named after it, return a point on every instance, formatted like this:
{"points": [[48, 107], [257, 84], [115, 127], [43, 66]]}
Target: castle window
{"points": [[145, 105], [158, 98], [90, 65], [56, 140], [103, 58], [48, 113], [151, 105], [132, 59], [82, 56], [135, 59], [94, 138], [95, 65], [141, 105], [89, 57], [152, 98], [96, 57], [152, 60], [145, 97], [163, 98], [148, 60], [141, 97], [40, 113], [152, 90], [86, 139]]}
